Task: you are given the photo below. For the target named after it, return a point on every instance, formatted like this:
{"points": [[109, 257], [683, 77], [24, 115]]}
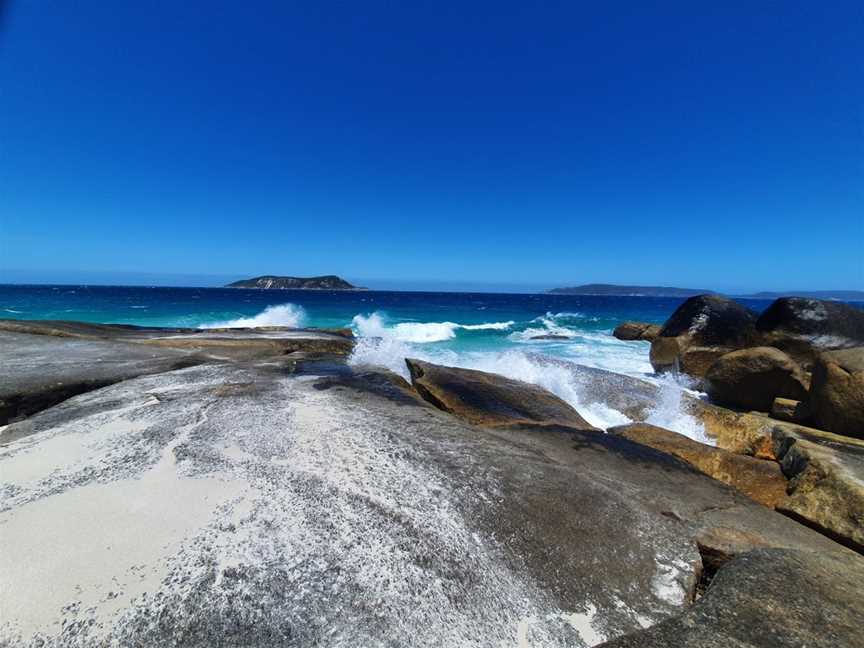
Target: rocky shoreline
{"points": [[255, 487]]}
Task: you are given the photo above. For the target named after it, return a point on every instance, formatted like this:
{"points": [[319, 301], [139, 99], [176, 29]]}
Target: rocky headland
{"points": [[257, 487], [273, 282]]}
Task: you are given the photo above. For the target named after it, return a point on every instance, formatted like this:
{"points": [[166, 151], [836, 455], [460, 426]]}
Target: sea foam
{"points": [[288, 315], [375, 325]]}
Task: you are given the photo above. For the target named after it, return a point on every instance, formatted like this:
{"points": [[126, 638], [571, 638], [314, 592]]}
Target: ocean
{"points": [[488, 331]]}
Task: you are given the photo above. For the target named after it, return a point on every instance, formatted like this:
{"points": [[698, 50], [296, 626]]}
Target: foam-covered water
{"points": [[290, 315], [514, 335]]}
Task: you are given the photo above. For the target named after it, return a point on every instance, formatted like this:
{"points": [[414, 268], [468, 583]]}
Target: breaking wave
{"points": [[288, 315], [375, 325], [388, 345]]}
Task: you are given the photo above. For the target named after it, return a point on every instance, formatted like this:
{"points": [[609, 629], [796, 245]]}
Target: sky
{"points": [[400, 144]]}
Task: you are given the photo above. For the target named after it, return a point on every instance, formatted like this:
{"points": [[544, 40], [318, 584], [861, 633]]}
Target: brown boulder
{"points": [[760, 480], [826, 481], [695, 361], [491, 400], [837, 393], [786, 409], [636, 331], [753, 378]]}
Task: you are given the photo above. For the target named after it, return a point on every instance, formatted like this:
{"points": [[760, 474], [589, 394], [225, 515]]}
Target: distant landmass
{"points": [[632, 291], [668, 291], [844, 295], [272, 282]]}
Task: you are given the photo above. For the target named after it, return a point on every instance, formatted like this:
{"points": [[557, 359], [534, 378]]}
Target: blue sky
{"points": [[537, 144]]}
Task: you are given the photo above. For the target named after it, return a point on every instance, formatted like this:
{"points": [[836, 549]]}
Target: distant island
{"points": [[630, 291], [667, 291], [843, 295], [273, 282]]}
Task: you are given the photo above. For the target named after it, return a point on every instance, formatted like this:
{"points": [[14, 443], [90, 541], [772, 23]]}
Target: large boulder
{"points": [[712, 320], [713, 323], [752, 378], [803, 326], [636, 331], [769, 598], [837, 392], [490, 400], [826, 481], [761, 480]]}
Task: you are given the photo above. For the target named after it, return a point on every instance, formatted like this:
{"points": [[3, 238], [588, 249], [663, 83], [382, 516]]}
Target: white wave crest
{"points": [[288, 315], [374, 325], [549, 325]]}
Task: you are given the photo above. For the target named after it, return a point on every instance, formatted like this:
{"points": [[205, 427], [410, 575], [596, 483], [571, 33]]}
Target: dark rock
{"points": [[769, 598], [489, 399], [760, 480], [711, 325], [712, 320], [752, 378], [823, 324], [550, 336], [837, 392], [636, 331]]}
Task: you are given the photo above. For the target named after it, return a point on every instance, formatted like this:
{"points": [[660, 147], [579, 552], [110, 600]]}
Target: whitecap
{"points": [[289, 315], [375, 325]]}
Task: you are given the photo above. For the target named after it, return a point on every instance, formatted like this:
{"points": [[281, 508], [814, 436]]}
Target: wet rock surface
{"points": [[293, 500], [483, 398]]}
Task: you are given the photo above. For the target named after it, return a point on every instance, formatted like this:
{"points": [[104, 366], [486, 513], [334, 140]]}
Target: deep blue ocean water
{"points": [[489, 331]]}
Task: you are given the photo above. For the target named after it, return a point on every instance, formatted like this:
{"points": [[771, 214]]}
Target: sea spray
{"points": [[669, 411], [288, 315]]}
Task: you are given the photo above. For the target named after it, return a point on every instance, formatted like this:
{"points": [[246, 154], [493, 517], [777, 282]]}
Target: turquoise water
{"points": [[492, 332]]}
